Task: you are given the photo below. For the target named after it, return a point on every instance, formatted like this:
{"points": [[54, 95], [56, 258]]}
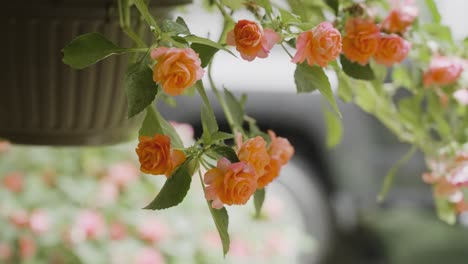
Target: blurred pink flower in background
{"points": [[14, 182], [212, 241], [4, 146], [149, 256], [153, 230], [27, 247], [273, 206], [89, 225], [185, 132], [19, 218], [442, 71], [461, 96], [5, 251], [108, 193], [123, 173], [239, 248], [117, 231], [275, 244], [39, 221]]}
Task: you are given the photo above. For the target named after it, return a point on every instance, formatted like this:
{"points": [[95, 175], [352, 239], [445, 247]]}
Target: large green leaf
{"points": [[140, 87], [208, 42], [259, 198], [334, 127], [309, 79], [221, 220], [175, 28], [88, 49], [235, 108], [432, 6], [356, 70], [176, 187], [334, 5]]}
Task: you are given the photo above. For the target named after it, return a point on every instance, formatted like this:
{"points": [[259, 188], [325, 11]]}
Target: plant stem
{"points": [[144, 11], [125, 23], [284, 48]]}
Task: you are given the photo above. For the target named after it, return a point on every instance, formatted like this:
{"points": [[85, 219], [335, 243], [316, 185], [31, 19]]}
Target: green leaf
{"points": [[218, 136], [205, 52], [334, 5], [309, 79], [356, 70], [334, 127], [445, 211], [139, 87], [389, 178], [438, 31], [227, 152], [431, 5], [265, 4], [181, 21], [88, 49], [345, 91], [221, 220], [289, 18], [174, 28], [209, 124], [208, 42], [233, 4], [259, 198], [176, 187], [235, 108], [154, 123]]}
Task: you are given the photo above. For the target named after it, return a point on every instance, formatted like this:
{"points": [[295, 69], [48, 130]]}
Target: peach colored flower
{"points": [[156, 155], [176, 69], [14, 182], [400, 17], [272, 171], [320, 45], [280, 148], [361, 40], [251, 40], [392, 49], [254, 152], [442, 71], [230, 183], [39, 221]]}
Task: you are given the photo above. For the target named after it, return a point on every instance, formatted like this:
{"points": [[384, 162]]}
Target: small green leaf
{"points": [[221, 220], [181, 21], [436, 18], [334, 5], [289, 18], [150, 125], [265, 4], [205, 52], [334, 127], [309, 79], [227, 152], [139, 87], [445, 211], [208, 42], [209, 124], [235, 108], [174, 28], [218, 136], [176, 187], [259, 198], [344, 88], [356, 70], [88, 49], [389, 178], [154, 123]]}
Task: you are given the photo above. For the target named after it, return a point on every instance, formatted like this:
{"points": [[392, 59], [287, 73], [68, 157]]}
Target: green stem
{"points": [[223, 12], [125, 23], [284, 48], [144, 11]]}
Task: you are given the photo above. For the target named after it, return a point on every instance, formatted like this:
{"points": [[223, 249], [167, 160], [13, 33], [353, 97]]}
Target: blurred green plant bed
{"points": [[77, 205]]}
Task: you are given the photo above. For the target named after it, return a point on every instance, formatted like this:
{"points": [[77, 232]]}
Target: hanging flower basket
{"points": [[45, 102]]}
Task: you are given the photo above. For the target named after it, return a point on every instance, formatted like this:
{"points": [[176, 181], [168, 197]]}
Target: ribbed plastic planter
{"points": [[43, 101]]}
